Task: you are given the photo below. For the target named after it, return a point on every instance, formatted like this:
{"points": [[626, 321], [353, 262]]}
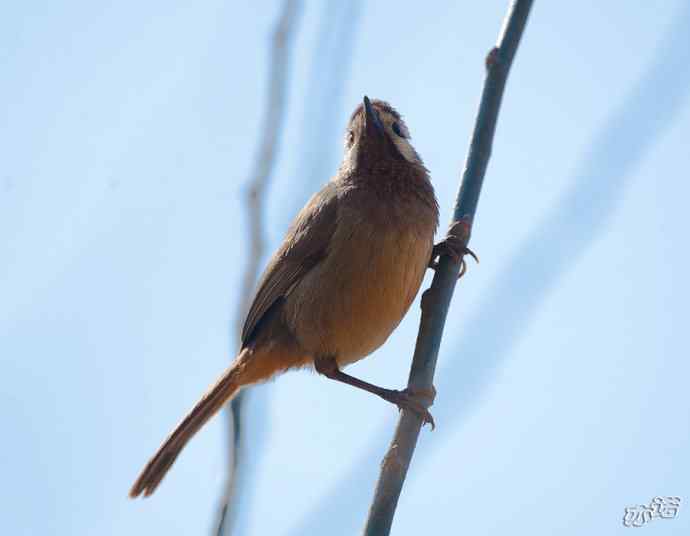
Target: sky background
{"points": [[129, 130]]}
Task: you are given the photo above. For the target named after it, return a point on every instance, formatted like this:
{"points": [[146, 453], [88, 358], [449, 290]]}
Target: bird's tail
{"points": [[206, 408]]}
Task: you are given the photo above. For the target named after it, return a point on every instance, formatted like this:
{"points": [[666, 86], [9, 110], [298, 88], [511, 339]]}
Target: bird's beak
{"points": [[372, 122]]}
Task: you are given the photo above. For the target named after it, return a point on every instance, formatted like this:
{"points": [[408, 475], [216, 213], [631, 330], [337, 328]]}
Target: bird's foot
{"points": [[455, 246], [417, 401]]}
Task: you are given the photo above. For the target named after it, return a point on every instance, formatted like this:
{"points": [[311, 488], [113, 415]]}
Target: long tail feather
{"points": [[208, 406]]}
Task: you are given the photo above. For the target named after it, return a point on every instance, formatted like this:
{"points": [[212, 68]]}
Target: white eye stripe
{"points": [[406, 149]]}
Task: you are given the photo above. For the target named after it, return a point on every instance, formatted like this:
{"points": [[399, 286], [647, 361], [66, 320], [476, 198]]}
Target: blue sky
{"points": [[129, 132]]}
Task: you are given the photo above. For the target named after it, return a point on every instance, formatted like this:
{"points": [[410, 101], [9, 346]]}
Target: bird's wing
{"points": [[305, 245]]}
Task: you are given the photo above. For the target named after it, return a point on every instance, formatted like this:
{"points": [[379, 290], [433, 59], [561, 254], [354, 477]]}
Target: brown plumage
{"points": [[343, 278]]}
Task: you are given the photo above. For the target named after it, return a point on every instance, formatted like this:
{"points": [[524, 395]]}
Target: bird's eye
{"points": [[396, 129], [350, 137]]}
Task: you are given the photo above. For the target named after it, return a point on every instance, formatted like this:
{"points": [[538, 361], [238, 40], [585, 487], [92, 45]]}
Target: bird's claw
{"points": [[455, 246], [417, 401]]}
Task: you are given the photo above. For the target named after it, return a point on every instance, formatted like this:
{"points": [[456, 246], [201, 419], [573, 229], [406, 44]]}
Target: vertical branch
{"points": [[271, 130], [436, 299]]}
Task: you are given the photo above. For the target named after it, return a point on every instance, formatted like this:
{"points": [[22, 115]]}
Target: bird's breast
{"points": [[349, 304]]}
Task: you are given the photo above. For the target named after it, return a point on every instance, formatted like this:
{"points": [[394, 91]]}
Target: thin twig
{"points": [[436, 299], [271, 130]]}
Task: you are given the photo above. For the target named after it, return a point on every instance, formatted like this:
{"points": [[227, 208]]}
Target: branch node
{"points": [[492, 58], [427, 301], [461, 229], [391, 461]]}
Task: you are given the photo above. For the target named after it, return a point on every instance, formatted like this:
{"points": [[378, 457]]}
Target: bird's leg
{"points": [[416, 401], [454, 245]]}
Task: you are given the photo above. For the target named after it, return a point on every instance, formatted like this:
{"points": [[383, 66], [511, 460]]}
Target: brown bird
{"points": [[342, 280]]}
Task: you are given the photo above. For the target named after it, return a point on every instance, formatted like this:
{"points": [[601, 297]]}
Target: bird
{"points": [[341, 281]]}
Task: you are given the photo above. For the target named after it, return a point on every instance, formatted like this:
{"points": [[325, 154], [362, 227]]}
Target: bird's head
{"points": [[377, 134]]}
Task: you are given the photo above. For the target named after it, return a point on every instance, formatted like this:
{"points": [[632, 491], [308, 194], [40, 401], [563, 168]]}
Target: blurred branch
{"points": [[436, 299], [330, 65], [271, 131]]}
